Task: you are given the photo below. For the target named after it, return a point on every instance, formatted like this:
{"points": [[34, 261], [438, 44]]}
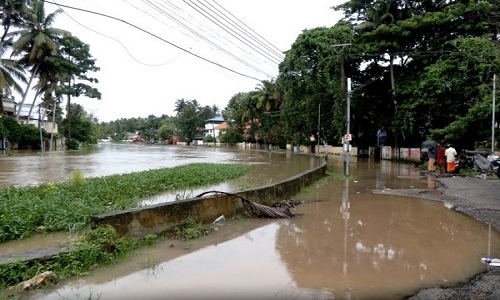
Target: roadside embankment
{"points": [[157, 218]]}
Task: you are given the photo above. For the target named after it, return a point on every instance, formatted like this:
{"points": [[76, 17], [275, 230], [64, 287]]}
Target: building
{"points": [[7, 106], [211, 127]]}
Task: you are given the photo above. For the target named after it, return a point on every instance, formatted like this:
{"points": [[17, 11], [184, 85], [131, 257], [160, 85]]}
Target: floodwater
{"points": [[348, 244], [31, 168]]}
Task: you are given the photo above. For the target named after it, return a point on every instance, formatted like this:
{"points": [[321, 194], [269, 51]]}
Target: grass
{"points": [[99, 246], [189, 230], [69, 205]]}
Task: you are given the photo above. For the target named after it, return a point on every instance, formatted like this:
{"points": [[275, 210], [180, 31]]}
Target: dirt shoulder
{"points": [[479, 199]]}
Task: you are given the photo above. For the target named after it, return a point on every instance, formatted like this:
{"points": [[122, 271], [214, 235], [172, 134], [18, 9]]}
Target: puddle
{"points": [[36, 242]]}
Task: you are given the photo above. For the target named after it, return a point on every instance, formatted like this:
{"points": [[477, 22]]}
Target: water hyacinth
{"points": [[69, 205]]}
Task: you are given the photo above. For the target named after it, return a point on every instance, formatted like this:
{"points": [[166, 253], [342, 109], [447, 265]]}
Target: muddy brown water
{"points": [[348, 244], [23, 168]]}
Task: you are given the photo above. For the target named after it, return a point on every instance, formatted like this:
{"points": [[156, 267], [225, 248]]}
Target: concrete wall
{"points": [[160, 217]]}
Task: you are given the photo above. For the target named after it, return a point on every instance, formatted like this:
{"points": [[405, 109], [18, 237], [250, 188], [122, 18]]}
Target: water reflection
{"points": [[377, 248], [381, 247]]}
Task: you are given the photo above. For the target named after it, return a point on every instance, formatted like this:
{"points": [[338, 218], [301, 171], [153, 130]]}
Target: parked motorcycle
{"points": [[483, 162]]}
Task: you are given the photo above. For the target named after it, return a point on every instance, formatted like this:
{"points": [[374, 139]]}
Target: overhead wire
{"points": [[251, 30], [217, 36], [119, 42], [241, 35], [157, 37], [182, 24], [204, 14], [250, 55]]}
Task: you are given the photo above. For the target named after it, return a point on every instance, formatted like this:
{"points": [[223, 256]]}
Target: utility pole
{"points": [[493, 111], [348, 109], [347, 137], [319, 122], [393, 93]]}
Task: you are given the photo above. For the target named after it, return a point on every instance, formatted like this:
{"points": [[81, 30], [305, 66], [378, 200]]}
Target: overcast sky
{"points": [[142, 75]]}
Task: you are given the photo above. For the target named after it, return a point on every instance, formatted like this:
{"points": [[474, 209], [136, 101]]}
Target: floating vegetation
{"points": [[69, 205]]}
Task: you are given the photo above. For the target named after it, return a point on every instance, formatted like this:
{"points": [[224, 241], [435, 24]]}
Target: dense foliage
{"points": [[421, 69], [56, 62]]}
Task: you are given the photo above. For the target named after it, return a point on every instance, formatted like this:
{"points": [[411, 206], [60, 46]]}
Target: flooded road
{"points": [[349, 244]]}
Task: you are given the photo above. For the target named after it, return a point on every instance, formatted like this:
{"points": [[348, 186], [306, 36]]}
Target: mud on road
{"points": [[476, 198]]}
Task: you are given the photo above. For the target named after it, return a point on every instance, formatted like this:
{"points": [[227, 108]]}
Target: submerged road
{"points": [[479, 199]]}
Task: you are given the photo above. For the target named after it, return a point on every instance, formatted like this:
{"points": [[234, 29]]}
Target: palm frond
{"points": [[22, 43], [7, 82], [15, 69], [49, 20]]}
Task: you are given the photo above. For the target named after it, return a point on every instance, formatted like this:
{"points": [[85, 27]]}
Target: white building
{"points": [[212, 127]]}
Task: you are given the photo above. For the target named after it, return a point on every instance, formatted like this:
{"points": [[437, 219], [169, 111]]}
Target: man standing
{"points": [[450, 154]]}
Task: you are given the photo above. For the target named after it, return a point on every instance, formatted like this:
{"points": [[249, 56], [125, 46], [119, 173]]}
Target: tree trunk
{"points": [[68, 109], [33, 74], [53, 124], [32, 105]]}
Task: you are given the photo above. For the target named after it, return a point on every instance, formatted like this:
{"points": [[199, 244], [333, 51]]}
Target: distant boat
{"points": [[108, 139]]}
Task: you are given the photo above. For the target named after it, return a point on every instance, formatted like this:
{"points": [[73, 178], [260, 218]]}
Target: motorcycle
{"points": [[483, 162]]}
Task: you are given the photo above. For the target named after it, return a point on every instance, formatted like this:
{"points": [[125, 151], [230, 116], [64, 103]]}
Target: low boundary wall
{"points": [[160, 217]]}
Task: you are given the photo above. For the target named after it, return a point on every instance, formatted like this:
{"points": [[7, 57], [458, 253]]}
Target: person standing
{"points": [[451, 155], [431, 155], [441, 158]]}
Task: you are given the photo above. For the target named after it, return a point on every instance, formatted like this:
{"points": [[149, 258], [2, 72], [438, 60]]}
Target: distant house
{"points": [[221, 128], [211, 126], [7, 106], [39, 117]]}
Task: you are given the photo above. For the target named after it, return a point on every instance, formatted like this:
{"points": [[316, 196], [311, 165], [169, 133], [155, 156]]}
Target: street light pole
{"points": [[493, 110], [319, 122], [348, 134]]}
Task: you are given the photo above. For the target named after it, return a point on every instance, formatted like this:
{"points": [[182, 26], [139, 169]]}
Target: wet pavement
{"points": [[350, 243]]}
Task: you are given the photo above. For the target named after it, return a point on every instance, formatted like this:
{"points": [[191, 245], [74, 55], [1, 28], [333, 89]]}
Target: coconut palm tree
{"points": [[36, 40], [11, 72], [268, 95], [179, 105], [12, 13]]}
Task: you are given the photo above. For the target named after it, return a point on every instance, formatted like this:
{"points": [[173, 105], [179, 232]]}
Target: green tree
{"points": [[77, 64], [11, 73], [84, 127], [188, 120], [310, 76], [37, 40], [12, 14], [167, 129]]}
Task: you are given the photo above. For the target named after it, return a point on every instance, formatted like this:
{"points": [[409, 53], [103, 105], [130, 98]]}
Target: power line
{"points": [[231, 32], [276, 48], [220, 15], [251, 56], [119, 42], [156, 36], [176, 20]]}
